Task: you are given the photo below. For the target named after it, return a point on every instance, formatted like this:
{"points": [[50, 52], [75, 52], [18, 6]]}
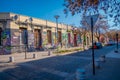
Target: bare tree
{"points": [[112, 34], [100, 28], [83, 32], [87, 7], [92, 7]]}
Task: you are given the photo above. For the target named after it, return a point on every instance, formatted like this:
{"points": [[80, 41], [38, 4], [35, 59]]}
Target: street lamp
{"points": [[31, 19], [26, 39], [56, 35]]}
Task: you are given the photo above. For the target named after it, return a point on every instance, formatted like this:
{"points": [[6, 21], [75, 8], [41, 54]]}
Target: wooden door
{"points": [[75, 39], [37, 38], [59, 36], [49, 37]]}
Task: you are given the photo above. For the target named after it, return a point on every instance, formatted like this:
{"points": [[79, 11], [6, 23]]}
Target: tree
{"points": [[88, 7], [111, 34], [83, 32], [92, 7], [101, 27]]}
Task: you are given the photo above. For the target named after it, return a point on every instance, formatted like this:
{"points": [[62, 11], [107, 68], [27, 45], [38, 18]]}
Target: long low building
{"points": [[19, 32]]}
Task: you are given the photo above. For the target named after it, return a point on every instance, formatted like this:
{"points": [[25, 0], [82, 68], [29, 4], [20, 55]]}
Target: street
{"points": [[52, 68], [60, 40]]}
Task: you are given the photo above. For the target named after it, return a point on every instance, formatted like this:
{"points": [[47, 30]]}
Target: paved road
{"points": [[97, 52], [52, 68]]}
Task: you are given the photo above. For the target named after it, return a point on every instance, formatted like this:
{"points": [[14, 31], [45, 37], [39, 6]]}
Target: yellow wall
{"points": [[37, 21]]}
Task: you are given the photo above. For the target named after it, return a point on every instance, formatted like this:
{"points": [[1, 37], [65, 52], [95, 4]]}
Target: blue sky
{"points": [[44, 9]]}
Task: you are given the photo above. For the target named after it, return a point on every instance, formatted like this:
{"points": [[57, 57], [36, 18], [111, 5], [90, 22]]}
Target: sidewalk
{"points": [[20, 57], [109, 70]]}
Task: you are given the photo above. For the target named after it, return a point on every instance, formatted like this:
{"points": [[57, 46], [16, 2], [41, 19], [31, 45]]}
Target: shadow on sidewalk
{"points": [[107, 71]]}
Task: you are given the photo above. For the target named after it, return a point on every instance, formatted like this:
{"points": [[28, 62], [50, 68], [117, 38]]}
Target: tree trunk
{"points": [[98, 39]]}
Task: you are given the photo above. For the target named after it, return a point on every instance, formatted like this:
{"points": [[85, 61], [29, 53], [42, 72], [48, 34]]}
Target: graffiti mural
{"points": [[30, 41], [53, 39], [72, 39], [64, 39], [6, 42], [44, 37], [15, 38], [30, 38], [78, 39]]}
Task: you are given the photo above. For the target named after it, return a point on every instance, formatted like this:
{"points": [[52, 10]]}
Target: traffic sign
{"points": [[94, 17]]}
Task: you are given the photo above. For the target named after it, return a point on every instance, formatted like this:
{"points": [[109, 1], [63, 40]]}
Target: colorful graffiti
{"points": [[55, 39], [6, 42], [68, 39], [30, 38], [30, 41], [15, 38], [79, 39], [44, 37], [64, 39]]}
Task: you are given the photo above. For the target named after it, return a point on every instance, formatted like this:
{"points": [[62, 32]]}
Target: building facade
{"points": [[18, 32]]}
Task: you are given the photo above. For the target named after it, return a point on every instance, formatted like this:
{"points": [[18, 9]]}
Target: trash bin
{"points": [[34, 55], [11, 59]]}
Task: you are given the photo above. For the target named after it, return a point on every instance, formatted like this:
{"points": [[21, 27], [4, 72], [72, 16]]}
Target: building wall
{"points": [[12, 34]]}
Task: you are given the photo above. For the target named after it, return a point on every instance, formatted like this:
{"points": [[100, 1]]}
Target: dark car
{"points": [[97, 45]]}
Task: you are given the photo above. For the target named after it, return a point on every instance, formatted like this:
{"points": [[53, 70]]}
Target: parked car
{"points": [[97, 45], [111, 42]]}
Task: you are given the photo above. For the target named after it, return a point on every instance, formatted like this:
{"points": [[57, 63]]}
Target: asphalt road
{"points": [[52, 68], [97, 52]]}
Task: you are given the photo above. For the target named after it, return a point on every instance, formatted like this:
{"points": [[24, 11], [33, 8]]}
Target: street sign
{"points": [[91, 20], [88, 19]]}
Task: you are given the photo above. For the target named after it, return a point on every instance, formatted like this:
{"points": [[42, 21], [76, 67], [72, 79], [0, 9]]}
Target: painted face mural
{"points": [[64, 39]]}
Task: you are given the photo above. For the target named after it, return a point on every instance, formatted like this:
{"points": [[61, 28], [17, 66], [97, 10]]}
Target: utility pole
{"points": [[56, 35]]}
